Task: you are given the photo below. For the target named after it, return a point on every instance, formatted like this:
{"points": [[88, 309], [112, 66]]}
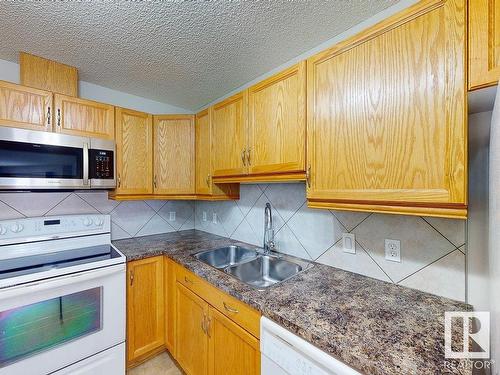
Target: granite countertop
{"points": [[374, 326]]}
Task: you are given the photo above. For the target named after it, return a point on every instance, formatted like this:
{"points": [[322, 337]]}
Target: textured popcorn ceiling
{"points": [[182, 53]]}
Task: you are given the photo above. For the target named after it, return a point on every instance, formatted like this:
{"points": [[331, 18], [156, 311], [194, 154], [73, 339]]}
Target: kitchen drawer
{"points": [[239, 312]]}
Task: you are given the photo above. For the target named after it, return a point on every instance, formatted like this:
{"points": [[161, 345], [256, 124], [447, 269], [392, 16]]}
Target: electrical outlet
{"points": [[204, 216], [172, 216], [349, 243], [214, 218], [393, 250]]}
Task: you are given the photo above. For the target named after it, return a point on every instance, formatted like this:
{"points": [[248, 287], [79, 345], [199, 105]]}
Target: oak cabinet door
{"points": [[174, 164], [387, 117], [134, 149], [84, 117], [229, 131], [191, 340], [484, 43], [25, 107], [145, 307], [277, 123], [232, 350], [203, 153]]}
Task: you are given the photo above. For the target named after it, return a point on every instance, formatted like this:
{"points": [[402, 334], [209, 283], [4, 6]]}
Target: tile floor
{"points": [[162, 364]]}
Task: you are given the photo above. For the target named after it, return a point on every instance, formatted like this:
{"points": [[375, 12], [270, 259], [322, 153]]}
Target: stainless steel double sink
{"points": [[253, 267]]}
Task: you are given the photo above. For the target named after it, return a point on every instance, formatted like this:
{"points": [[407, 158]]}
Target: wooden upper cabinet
{"points": [[277, 123], [191, 340], [232, 350], [484, 43], [36, 71], [84, 117], [25, 107], [203, 153], [134, 152], [387, 116], [174, 164], [145, 307], [229, 131]]}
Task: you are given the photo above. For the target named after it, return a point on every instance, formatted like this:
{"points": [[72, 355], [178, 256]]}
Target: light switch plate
{"points": [[171, 216], [349, 243], [393, 250]]}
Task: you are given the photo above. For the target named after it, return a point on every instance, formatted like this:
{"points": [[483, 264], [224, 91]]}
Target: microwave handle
{"points": [[85, 164]]}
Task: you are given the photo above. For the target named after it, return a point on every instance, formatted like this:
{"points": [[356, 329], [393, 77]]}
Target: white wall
{"points": [[9, 71]]}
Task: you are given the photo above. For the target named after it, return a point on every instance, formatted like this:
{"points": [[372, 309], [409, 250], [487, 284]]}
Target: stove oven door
{"points": [[50, 324]]}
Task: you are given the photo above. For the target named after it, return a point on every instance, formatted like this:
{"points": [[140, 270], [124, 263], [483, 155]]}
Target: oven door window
{"points": [[29, 160], [30, 329]]}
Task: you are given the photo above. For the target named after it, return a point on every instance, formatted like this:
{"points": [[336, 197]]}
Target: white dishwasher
{"points": [[283, 353]]}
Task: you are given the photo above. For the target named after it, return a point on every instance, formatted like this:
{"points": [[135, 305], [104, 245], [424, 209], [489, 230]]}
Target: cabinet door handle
{"points": [[131, 278], [48, 116], [119, 181], [188, 280], [308, 176], [59, 117], [248, 156], [208, 180], [154, 182], [243, 158], [209, 323], [204, 324], [230, 309]]}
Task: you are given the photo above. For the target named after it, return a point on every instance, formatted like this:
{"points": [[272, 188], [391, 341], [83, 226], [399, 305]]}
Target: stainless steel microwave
{"points": [[35, 160]]}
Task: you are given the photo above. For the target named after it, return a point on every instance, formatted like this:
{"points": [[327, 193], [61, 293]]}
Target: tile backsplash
{"points": [[128, 219], [432, 250]]}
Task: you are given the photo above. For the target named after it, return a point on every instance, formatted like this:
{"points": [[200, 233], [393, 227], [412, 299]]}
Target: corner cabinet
{"points": [[134, 148], [484, 43], [174, 164], [387, 116], [205, 187], [25, 107], [84, 117], [145, 309]]}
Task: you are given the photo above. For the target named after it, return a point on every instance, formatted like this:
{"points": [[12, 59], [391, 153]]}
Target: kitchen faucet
{"points": [[269, 244]]}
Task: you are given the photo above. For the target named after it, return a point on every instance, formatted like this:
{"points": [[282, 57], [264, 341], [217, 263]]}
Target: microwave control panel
{"points": [[101, 163]]}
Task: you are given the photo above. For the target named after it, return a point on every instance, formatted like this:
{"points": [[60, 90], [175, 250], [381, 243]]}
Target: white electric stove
{"points": [[62, 297]]}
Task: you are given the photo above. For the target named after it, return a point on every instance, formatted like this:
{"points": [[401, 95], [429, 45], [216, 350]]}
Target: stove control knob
{"points": [[87, 221], [3, 230], [16, 228]]}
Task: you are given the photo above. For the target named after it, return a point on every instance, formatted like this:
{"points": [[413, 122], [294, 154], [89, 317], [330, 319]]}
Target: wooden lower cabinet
{"points": [[232, 350], [191, 344], [209, 341], [145, 309], [169, 279]]}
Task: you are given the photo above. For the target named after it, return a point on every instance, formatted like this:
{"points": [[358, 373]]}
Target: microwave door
{"points": [[30, 160]]}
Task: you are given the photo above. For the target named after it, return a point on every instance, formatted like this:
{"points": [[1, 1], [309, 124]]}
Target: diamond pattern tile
{"points": [[72, 205], [33, 204], [184, 210], [99, 200], [7, 212], [131, 216], [420, 243], [315, 234], [155, 225]]}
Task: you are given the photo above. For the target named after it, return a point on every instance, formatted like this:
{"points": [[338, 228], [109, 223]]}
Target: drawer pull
{"points": [[209, 322], [230, 309], [188, 280]]}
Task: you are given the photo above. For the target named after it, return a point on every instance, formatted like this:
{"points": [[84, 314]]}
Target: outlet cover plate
{"points": [[349, 243], [393, 250]]}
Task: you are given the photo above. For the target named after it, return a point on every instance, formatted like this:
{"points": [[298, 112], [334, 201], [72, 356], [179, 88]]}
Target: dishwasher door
{"points": [[283, 353]]}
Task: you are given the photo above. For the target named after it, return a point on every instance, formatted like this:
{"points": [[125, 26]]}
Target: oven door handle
{"points": [[85, 164], [43, 285]]}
